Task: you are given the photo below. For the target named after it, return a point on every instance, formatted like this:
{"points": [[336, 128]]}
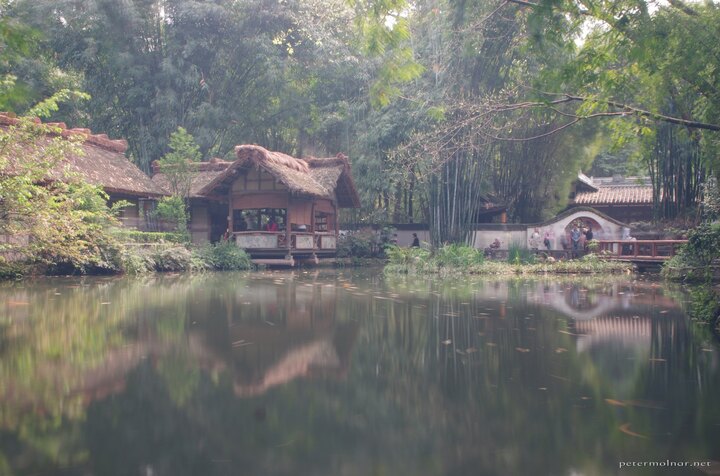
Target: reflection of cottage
{"points": [[276, 207], [625, 199], [275, 333], [103, 163]]}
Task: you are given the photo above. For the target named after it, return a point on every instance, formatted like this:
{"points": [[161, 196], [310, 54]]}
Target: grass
{"points": [[458, 260]]}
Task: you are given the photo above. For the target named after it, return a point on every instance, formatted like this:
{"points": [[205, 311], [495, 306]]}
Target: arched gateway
{"points": [[556, 230]]}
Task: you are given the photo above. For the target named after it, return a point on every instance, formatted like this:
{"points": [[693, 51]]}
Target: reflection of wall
{"points": [[628, 331]]}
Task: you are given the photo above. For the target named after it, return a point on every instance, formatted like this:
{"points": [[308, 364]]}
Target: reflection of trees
{"points": [[445, 378], [513, 392]]}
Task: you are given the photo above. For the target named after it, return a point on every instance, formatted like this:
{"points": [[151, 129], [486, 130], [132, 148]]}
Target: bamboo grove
{"points": [[440, 104]]}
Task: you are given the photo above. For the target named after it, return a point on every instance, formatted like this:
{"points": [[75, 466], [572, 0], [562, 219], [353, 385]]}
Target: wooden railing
{"points": [[278, 239], [640, 250]]}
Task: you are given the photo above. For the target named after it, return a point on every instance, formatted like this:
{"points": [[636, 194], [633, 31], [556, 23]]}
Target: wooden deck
{"points": [[640, 251]]}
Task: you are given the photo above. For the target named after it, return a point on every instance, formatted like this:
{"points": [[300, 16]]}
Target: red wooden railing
{"points": [[640, 250]]}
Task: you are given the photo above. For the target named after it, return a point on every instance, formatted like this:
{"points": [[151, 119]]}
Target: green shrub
{"points": [[137, 260], [359, 244], [134, 236], [518, 254], [173, 210], [225, 256], [704, 304], [11, 270], [693, 261], [172, 258], [405, 260], [454, 255], [593, 245], [456, 259]]}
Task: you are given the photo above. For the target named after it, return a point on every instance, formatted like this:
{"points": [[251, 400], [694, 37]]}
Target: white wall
{"points": [[521, 234]]}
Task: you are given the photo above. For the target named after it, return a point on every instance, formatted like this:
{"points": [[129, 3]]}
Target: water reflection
{"points": [[277, 333], [350, 373]]}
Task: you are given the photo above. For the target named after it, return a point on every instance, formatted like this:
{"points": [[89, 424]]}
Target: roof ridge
{"points": [[60, 129]]}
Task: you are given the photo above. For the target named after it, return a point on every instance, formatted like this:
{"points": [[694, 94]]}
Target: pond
{"points": [[327, 372]]}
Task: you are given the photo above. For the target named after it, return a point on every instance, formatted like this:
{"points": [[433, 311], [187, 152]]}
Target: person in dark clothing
{"points": [[416, 241], [588, 237]]}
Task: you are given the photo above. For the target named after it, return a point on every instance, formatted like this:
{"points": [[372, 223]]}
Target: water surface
{"points": [[351, 373]]}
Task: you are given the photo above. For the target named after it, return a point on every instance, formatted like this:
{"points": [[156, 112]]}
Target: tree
{"points": [[632, 64], [51, 217], [178, 167]]}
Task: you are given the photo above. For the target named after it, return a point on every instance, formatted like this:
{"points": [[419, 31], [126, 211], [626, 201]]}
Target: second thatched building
{"points": [[276, 207]]}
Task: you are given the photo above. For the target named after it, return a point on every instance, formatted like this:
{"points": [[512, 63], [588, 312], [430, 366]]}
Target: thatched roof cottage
{"points": [[101, 161], [277, 207]]}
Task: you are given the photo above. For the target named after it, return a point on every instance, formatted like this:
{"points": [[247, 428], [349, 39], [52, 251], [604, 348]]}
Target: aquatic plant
{"points": [[518, 254], [453, 259]]}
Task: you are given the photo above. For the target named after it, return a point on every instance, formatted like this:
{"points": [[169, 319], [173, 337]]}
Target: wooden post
{"points": [[312, 221], [287, 225], [231, 225]]}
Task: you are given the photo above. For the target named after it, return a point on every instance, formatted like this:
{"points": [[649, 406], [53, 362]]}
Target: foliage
{"points": [[54, 219], [698, 258], [176, 257], [174, 210], [126, 235], [136, 261], [151, 66], [225, 256], [160, 257], [462, 260], [358, 244], [704, 303], [703, 247], [11, 269], [439, 104], [711, 199], [177, 165], [453, 255], [403, 260], [593, 245], [518, 254]]}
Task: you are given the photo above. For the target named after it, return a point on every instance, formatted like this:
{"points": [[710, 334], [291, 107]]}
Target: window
{"points": [[323, 222], [267, 219]]}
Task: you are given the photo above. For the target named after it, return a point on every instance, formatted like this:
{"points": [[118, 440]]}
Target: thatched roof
{"points": [[203, 174], [322, 178], [101, 162], [334, 174]]}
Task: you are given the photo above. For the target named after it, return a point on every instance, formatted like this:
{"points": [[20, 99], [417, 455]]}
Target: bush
{"points": [[135, 260], [694, 260], [358, 244], [457, 259], [134, 236], [225, 256], [704, 304], [159, 257], [173, 210], [593, 245], [405, 260], [11, 270], [458, 255], [518, 254], [175, 258]]}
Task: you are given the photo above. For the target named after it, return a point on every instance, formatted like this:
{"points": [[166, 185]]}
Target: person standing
{"points": [[575, 238], [588, 236], [415, 241], [546, 240]]}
